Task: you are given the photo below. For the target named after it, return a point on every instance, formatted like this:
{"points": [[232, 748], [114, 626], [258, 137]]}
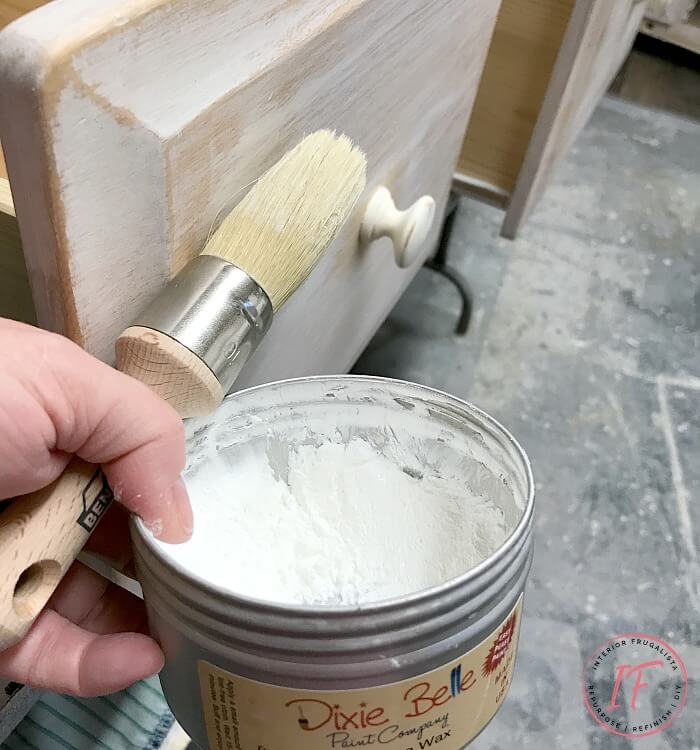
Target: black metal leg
{"points": [[448, 223], [461, 285], [438, 263]]}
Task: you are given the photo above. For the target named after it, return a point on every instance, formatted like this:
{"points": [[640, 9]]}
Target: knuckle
{"points": [[42, 655]]}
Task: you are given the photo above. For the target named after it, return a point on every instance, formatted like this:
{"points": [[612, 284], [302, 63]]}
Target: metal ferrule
{"points": [[217, 311]]}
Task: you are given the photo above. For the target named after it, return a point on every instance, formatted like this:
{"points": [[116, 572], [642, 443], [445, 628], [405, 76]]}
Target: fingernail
{"points": [[178, 526], [182, 502]]}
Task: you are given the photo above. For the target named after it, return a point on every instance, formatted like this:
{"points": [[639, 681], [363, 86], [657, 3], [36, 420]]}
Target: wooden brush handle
{"points": [[40, 537], [42, 534], [170, 369]]}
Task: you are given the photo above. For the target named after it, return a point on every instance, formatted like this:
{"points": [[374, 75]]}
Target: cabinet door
{"points": [[129, 125], [548, 66], [598, 39]]}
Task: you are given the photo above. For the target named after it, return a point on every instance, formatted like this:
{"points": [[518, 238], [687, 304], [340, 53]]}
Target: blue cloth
{"points": [[135, 719]]}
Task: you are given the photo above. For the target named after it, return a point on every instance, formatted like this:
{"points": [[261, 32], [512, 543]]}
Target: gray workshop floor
{"points": [[586, 343]]}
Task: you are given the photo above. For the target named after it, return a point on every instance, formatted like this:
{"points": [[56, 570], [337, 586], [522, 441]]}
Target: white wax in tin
{"points": [[345, 526]]}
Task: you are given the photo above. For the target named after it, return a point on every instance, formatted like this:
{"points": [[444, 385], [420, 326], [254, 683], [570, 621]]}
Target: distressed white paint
{"points": [[114, 218], [136, 121], [225, 46]]}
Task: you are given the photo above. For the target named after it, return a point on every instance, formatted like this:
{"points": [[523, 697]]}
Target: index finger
{"points": [[107, 418], [139, 440]]}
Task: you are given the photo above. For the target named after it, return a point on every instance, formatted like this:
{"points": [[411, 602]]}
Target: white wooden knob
{"points": [[407, 229]]}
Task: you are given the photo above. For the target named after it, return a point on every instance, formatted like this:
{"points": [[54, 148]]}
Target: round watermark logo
{"points": [[635, 685]]}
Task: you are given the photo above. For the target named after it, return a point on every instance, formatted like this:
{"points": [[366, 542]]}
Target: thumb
{"points": [[56, 400]]}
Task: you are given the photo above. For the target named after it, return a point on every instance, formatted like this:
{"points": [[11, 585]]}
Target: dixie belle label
{"points": [[444, 708]]}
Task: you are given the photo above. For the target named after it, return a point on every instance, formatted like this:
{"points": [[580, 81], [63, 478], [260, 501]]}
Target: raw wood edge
{"points": [[563, 68], [481, 190], [684, 35], [169, 369]]}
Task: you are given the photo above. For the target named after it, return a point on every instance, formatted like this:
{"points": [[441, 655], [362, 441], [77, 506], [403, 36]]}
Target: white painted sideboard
{"points": [[128, 125]]}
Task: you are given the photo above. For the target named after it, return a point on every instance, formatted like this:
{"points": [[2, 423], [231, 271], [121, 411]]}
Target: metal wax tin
{"points": [[250, 674]]}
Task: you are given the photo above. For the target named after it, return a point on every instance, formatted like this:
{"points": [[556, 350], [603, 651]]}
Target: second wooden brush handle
{"points": [[40, 537]]}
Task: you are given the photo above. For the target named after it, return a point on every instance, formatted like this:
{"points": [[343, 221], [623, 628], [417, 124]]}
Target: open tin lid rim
{"points": [[384, 605]]}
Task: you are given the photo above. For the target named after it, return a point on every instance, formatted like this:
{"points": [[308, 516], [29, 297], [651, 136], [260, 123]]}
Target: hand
{"points": [[56, 401]]}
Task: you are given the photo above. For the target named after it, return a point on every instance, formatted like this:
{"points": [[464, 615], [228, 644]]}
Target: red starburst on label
{"points": [[500, 647]]}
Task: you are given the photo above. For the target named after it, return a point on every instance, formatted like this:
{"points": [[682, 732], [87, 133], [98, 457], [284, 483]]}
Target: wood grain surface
{"points": [[170, 369]]}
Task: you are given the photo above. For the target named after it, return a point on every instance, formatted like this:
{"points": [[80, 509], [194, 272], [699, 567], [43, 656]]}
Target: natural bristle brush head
{"points": [[280, 229]]}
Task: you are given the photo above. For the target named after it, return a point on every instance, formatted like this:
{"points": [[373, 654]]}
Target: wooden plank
{"points": [[685, 34], [480, 189], [669, 11], [118, 178], [597, 41], [518, 68]]}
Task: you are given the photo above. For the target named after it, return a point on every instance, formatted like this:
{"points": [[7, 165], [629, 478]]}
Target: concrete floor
{"points": [[585, 342]]}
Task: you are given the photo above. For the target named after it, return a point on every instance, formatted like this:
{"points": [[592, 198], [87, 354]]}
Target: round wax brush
{"points": [[191, 343]]}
